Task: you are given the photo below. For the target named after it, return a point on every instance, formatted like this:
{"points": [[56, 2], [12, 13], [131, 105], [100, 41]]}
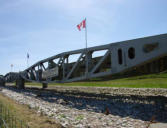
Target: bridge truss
{"points": [[100, 61]]}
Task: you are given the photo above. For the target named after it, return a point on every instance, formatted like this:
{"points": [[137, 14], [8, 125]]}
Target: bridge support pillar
{"points": [[2, 83], [44, 85], [20, 83]]}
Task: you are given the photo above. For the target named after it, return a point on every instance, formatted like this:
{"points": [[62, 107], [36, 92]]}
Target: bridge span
{"points": [[131, 57]]}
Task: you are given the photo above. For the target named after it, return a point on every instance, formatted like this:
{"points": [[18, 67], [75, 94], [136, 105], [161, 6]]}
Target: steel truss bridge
{"points": [[138, 56]]}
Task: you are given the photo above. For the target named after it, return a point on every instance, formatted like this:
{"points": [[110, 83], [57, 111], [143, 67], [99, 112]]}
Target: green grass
{"points": [[144, 81], [26, 114]]}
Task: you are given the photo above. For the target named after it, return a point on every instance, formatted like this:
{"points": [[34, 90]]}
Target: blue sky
{"points": [[44, 28]]}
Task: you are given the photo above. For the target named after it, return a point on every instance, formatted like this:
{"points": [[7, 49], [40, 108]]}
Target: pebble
{"points": [[83, 112]]}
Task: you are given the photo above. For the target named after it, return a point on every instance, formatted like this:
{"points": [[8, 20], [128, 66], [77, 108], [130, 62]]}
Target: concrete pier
{"points": [[44, 85], [20, 83]]}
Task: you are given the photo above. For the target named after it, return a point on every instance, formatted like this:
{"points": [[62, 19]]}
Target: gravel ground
{"points": [[113, 90], [87, 110]]}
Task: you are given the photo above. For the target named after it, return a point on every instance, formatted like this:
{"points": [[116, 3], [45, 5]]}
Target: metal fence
{"points": [[8, 120]]}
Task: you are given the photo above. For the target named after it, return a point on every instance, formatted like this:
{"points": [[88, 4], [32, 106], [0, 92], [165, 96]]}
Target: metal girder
{"points": [[100, 62], [11, 76], [74, 66]]}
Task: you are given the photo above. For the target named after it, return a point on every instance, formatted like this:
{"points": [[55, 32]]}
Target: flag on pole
{"points": [[28, 56], [82, 25], [79, 26]]}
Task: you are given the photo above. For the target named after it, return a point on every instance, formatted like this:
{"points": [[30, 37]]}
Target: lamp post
{"points": [[11, 67]]}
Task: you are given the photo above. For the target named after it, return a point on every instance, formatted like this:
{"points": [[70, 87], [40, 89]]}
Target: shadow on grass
{"points": [[137, 107]]}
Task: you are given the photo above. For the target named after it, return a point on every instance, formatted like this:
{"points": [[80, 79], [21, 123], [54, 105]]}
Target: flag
{"points": [[82, 25], [11, 65], [28, 56]]}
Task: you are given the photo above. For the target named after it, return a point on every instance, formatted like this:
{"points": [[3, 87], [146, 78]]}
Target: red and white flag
{"points": [[82, 25]]}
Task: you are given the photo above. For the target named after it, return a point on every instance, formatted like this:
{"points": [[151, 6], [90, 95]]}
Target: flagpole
{"points": [[27, 60], [83, 24], [11, 67], [87, 68], [86, 34]]}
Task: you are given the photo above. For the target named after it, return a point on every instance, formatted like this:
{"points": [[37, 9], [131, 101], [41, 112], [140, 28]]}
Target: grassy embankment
{"points": [[24, 113], [144, 81]]}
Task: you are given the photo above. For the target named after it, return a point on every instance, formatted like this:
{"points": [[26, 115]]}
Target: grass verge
{"points": [[145, 81], [23, 112]]}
